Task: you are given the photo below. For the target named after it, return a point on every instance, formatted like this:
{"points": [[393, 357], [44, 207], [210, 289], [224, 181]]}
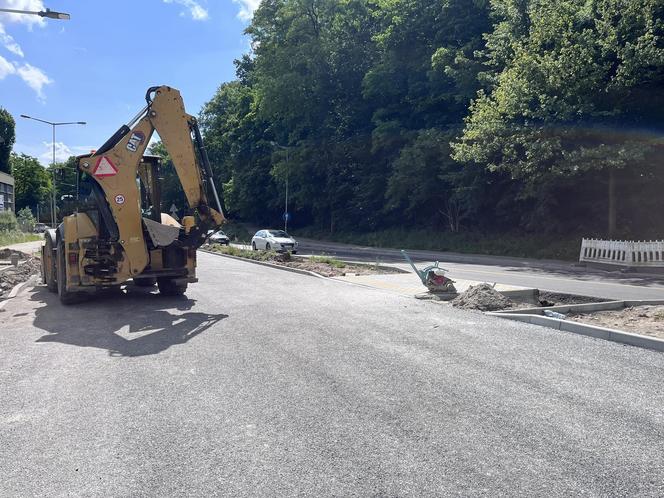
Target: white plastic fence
{"points": [[623, 253]]}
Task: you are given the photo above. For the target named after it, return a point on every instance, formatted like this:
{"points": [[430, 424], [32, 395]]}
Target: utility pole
{"points": [[53, 125], [286, 213], [287, 149]]}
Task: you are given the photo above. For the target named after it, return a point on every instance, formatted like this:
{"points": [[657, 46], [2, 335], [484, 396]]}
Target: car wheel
{"points": [[293, 252], [253, 246], [267, 246]]}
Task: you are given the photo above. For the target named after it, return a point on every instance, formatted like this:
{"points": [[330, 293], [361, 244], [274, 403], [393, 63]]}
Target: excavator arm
{"points": [[115, 166]]}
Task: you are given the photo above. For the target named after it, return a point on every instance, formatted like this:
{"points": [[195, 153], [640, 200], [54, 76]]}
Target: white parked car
{"points": [[275, 240]]}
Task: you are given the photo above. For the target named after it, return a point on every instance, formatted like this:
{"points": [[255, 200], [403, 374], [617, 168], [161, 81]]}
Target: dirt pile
{"points": [[644, 320], [482, 297], [11, 276], [6, 254]]}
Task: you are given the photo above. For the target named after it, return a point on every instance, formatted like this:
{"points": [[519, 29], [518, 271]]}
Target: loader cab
{"points": [[149, 183]]}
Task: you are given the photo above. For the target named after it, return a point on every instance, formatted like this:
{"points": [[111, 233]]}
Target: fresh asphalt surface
{"points": [[547, 275], [267, 383]]}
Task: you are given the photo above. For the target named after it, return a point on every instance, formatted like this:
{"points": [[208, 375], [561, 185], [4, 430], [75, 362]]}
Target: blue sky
{"points": [[97, 66]]}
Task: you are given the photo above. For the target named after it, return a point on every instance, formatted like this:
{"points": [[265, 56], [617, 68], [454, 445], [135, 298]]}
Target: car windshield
{"points": [[220, 233], [278, 233]]}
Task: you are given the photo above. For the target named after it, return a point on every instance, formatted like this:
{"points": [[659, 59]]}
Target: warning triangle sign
{"points": [[105, 167]]}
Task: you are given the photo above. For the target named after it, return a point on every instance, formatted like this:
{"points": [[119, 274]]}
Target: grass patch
{"points": [[516, 245], [335, 263], [243, 253], [17, 237]]}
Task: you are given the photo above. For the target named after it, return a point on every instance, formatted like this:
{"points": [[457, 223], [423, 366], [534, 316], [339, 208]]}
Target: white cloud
{"points": [[247, 8], [34, 78], [9, 42], [62, 152], [31, 75], [30, 5], [197, 12], [6, 68]]}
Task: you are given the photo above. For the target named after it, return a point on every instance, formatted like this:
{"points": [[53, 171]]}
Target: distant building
{"points": [[6, 192]]}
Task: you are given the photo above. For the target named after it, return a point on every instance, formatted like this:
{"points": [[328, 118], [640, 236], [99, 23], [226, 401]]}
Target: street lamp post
{"points": [[51, 14], [287, 149], [53, 125]]}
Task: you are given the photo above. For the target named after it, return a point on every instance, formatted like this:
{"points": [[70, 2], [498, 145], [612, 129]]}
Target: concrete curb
{"points": [[263, 263], [586, 307], [16, 289], [526, 295], [613, 335]]}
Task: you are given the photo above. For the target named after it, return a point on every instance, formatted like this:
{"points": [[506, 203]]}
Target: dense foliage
{"points": [[483, 115], [7, 137], [26, 220], [7, 221], [32, 182]]}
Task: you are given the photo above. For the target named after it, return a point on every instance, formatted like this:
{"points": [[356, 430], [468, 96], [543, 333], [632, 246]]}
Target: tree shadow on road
{"points": [[108, 321]]}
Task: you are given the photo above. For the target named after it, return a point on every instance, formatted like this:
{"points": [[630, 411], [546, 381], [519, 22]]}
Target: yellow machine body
{"points": [[118, 232]]}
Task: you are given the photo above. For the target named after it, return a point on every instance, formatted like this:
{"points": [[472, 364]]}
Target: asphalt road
{"points": [[547, 275], [268, 383]]}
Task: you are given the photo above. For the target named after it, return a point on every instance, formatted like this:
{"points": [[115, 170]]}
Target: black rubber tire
{"points": [[66, 297], [168, 287], [145, 282], [293, 252], [49, 272], [268, 246], [253, 246]]}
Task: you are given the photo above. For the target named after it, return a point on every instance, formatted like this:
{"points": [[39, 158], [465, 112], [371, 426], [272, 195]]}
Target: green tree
{"points": [[26, 220], [7, 136], [32, 182], [7, 221], [239, 152], [574, 83]]}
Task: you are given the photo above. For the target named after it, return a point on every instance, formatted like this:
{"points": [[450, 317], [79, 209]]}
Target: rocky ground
{"points": [[11, 275], [332, 270]]}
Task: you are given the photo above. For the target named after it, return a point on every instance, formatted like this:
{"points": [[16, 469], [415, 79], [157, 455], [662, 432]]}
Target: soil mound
{"points": [[482, 297]]}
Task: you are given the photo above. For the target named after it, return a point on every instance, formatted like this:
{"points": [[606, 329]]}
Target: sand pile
{"points": [[482, 297]]}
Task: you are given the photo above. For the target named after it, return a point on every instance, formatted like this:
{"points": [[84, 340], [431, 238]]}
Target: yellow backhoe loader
{"points": [[118, 231]]}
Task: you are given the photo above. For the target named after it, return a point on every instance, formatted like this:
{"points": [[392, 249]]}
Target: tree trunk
{"points": [[612, 204]]}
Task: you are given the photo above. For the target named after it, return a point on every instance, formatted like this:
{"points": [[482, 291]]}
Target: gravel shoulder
{"points": [[644, 320]]}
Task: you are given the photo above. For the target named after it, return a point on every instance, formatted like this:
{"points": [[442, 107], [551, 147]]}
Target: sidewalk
{"points": [[408, 284]]}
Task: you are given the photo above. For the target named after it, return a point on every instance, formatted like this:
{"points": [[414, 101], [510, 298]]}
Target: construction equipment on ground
{"points": [[433, 277], [118, 231]]}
